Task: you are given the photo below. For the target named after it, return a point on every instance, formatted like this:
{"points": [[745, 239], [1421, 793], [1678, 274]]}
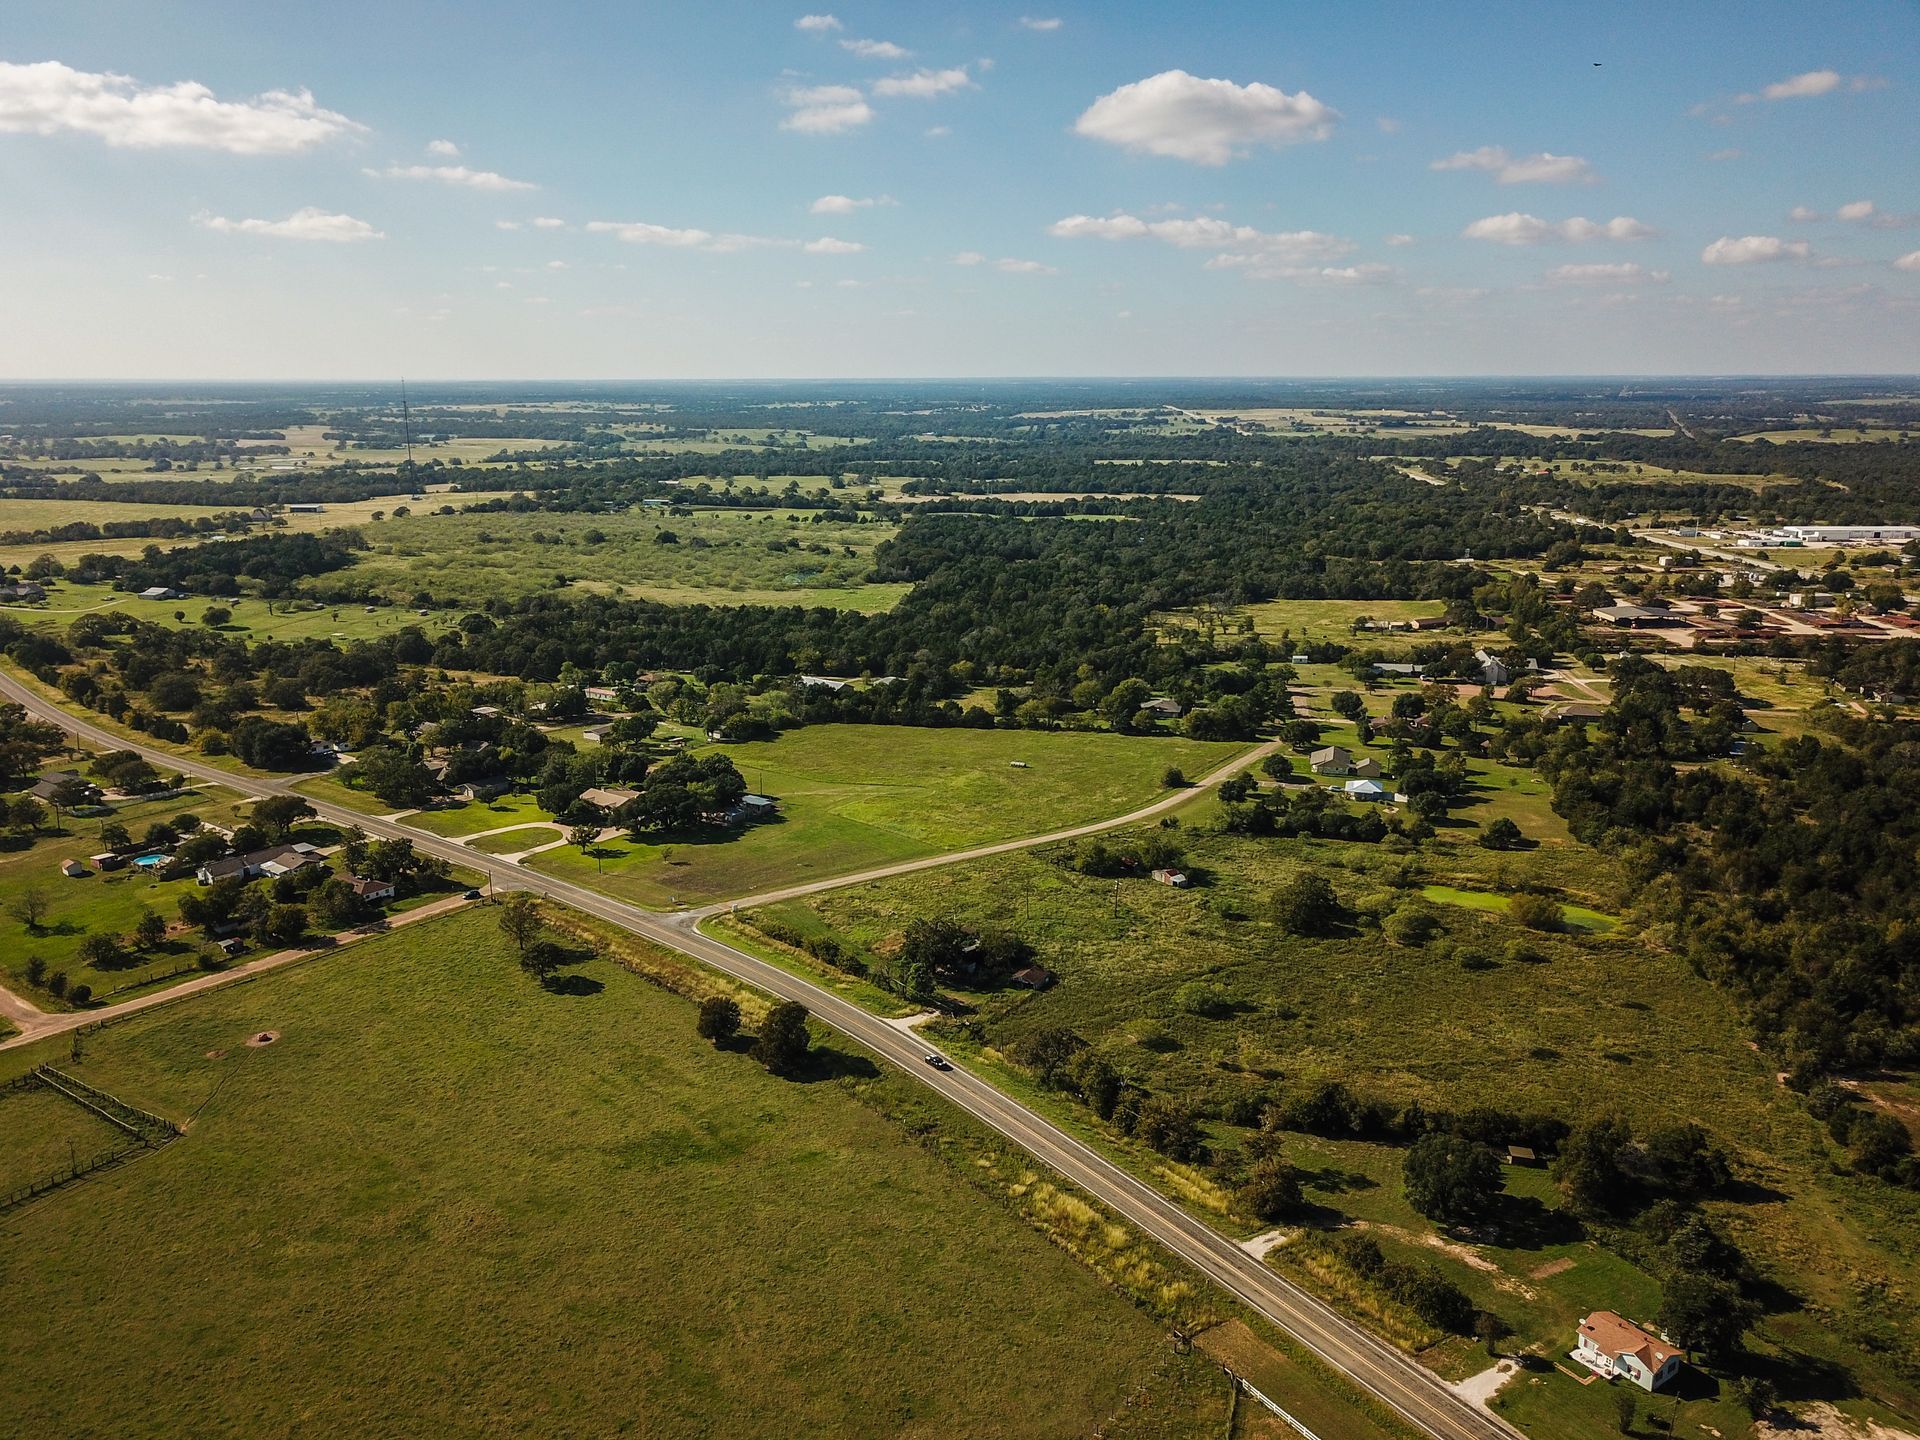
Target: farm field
{"points": [[98, 902], [252, 619], [721, 556], [1488, 1012], [854, 796], [576, 1256], [336, 515]]}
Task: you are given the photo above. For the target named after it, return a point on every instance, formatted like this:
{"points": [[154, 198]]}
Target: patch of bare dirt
{"points": [[1552, 1268], [1824, 1422], [1465, 1254], [263, 1039]]}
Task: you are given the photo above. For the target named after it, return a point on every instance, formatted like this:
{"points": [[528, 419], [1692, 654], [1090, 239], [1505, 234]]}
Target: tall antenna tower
{"points": [[406, 423]]}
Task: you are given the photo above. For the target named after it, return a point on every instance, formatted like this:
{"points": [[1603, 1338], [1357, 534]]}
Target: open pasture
{"points": [[713, 556], [856, 796], [614, 1228]]}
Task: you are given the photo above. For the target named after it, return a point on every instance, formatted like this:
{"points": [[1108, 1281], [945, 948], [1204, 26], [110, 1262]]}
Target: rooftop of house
{"points": [[1617, 1335]]}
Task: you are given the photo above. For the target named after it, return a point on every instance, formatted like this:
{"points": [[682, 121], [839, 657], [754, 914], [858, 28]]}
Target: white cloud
{"points": [[827, 245], [1809, 85], [640, 232], [938, 132], [817, 24], [1803, 87], [1753, 250], [451, 175], [1388, 125], [443, 149], [1204, 121], [923, 84], [1401, 239], [312, 223], [1204, 233], [49, 98], [1273, 267], [1727, 154], [1625, 273], [506, 224], [826, 109], [1510, 169], [847, 204], [547, 222], [556, 265], [1517, 228], [1044, 26], [1024, 267], [875, 49], [1855, 210], [969, 257], [1803, 214], [1909, 261]]}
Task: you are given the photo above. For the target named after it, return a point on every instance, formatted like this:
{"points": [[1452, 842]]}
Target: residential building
{"points": [[1611, 1345], [1493, 670], [1333, 760], [608, 798], [274, 861], [484, 788], [1162, 708], [1370, 790], [369, 889], [756, 807], [1366, 768], [48, 786]]}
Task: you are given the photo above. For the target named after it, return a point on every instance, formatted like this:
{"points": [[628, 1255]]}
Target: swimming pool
{"points": [[150, 862]]}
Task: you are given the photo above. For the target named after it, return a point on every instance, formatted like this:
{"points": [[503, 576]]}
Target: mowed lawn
{"points": [[856, 796], [448, 1202]]}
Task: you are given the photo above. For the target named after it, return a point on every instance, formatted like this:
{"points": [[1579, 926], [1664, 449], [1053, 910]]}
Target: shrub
{"points": [[80, 995], [1271, 1191], [1414, 923], [1537, 912], [1203, 997], [1306, 905], [57, 984]]}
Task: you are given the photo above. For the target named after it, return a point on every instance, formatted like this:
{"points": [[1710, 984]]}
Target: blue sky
{"points": [[632, 190]]}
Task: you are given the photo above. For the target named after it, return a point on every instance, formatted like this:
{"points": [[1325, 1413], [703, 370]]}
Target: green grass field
{"points": [[446, 1202], [855, 796], [473, 817], [252, 620], [721, 556], [1565, 1022]]}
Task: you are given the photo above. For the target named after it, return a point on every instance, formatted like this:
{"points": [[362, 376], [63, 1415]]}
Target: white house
{"points": [[162, 592], [1371, 790], [1611, 1345], [1493, 670]]}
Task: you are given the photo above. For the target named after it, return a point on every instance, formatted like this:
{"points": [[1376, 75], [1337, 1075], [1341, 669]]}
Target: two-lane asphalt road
{"points": [[1370, 1363]]}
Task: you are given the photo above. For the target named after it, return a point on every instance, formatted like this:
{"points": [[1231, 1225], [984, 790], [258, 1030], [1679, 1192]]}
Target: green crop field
{"points": [[855, 796], [720, 556], [616, 1229]]}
